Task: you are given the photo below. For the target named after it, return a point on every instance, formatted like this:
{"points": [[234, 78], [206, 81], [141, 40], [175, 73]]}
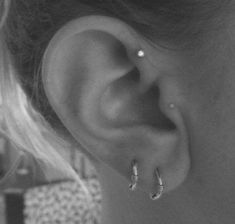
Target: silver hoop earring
{"points": [[134, 176], [158, 194]]}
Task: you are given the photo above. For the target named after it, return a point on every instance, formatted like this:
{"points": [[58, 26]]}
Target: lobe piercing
{"points": [[134, 176], [140, 53], [158, 194]]}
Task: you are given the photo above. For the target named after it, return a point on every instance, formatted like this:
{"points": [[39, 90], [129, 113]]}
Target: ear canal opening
{"points": [[147, 104], [137, 108], [133, 76], [152, 113]]}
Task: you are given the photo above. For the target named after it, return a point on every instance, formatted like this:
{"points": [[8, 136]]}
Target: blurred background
{"points": [[20, 173]]}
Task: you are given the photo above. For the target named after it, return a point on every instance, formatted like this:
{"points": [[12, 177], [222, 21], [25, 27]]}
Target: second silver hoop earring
{"points": [[134, 176], [158, 194]]}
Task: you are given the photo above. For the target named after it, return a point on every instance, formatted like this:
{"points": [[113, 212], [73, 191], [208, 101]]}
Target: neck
{"points": [[121, 206]]}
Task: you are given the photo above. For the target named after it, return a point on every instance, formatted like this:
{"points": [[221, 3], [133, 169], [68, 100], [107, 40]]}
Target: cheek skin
{"points": [[209, 81]]}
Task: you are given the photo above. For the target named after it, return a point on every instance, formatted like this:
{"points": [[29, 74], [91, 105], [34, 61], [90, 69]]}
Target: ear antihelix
{"points": [[125, 104], [117, 98]]}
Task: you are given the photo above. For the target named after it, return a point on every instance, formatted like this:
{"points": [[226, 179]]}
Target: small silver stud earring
{"points": [[158, 194], [140, 53], [134, 176], [172, 106]]}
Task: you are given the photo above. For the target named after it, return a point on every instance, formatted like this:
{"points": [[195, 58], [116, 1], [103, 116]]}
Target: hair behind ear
{"points": [[23, 125]]}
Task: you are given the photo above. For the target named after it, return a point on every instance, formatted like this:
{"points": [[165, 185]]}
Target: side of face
{"points": [[116, 104], [209, 83]]}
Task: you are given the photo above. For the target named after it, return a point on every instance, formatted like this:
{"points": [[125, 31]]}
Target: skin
{"points": [[201, 83], [207, 196]]}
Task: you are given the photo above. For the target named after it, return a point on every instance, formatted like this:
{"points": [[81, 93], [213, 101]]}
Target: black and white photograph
{"points": [[117, 111]]}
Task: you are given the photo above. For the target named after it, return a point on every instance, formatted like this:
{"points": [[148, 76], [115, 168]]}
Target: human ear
{"points": [[115, 103]]}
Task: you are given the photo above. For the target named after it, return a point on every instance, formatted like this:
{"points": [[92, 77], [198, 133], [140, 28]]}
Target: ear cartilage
{"points": [[140, 53]]}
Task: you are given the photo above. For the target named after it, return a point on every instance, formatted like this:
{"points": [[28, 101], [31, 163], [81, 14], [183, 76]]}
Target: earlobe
{"points": [[110, 97]]}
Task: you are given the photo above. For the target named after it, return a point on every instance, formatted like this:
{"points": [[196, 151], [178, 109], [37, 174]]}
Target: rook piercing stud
{"points": [[134, 176], [140, 53]]}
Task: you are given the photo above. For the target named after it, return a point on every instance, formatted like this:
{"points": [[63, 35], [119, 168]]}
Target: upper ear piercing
{"points": [[140, 53], [134, 176]]}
